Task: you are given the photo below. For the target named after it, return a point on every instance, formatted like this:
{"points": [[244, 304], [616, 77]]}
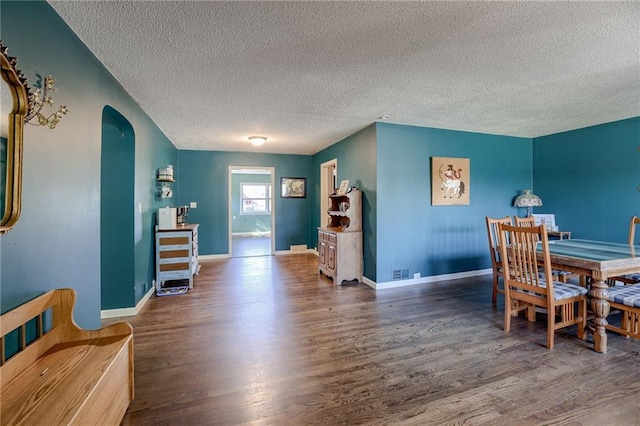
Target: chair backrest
{"points": [[492, 233], [525, 221], [632, 229], [519, 249]]}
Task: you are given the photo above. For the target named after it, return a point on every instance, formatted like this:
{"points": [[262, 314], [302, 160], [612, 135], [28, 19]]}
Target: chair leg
{"points": [[494, 296], [582, 312], [508, 303], [531, 313], [550, 329]]}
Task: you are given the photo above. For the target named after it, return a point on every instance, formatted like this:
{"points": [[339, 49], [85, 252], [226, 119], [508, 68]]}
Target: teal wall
{"points": [[356, 158], [248, 222], [203, 177], [436, 240], [56, 242], [117, 211], [589, 178], [391, 164]]}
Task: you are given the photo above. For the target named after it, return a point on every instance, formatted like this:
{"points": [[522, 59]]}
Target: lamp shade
{"points": [[527, 199]]}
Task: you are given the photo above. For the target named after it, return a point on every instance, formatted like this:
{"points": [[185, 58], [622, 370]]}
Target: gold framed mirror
{"points": [[14, 105]]}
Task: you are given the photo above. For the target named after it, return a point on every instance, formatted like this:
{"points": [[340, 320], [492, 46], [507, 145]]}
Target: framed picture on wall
{"points": [[450, 181], [293, 187]]}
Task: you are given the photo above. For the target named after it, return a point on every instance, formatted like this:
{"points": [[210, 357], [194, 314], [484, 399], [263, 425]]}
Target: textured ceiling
{"points": [[307, 74]]}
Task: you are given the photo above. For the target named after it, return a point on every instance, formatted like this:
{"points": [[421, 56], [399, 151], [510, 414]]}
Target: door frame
{"points": [[272, 172], [328, 180]]}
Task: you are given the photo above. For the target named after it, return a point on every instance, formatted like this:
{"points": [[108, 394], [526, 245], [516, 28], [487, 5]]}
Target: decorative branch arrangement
{"points": [[41, 97]]}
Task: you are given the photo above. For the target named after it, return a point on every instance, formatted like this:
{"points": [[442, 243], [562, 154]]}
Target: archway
{"points": [[117, 211]]}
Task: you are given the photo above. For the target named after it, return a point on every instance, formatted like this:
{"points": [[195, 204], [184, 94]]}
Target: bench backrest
{"points": [[39, 323]]}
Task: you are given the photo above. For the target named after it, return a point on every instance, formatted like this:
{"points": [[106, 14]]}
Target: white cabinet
{"points": [[176, 256], [340, 255], [340, 242]]}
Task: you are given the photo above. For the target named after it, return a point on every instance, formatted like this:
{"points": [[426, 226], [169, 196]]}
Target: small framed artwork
{"points": [[293, 187], [548, 220], [344, 186], [450, 181]]}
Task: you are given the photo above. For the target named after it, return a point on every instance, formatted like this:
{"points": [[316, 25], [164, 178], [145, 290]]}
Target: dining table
{"points": [[600, 261]]}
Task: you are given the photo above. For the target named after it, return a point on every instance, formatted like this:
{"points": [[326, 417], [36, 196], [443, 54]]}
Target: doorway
{"points": [[328, 181], [251, 215]]}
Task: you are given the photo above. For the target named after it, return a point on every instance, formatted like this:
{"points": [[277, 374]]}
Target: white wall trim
{"points": [[287, 252], [127, 312], [205, 257], [425, 280]]}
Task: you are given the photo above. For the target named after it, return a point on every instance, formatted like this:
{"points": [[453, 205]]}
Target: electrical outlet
{"points": [[416, 275]]}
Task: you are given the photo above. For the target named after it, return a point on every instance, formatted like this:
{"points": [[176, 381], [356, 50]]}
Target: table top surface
{"points": [[600, 251]]}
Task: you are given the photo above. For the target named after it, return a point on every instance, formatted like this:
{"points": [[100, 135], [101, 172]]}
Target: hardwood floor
{"points": [[267, 340], [249, 246]]}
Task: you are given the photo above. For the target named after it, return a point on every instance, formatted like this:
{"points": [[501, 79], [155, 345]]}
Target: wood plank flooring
{"points": [[267, 340]]}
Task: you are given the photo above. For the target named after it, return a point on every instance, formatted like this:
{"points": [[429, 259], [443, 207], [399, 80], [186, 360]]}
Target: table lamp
{"points": [[527, 199]]}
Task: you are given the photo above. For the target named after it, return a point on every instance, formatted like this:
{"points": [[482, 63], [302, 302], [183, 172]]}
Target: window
{"points": [[256, 198]]}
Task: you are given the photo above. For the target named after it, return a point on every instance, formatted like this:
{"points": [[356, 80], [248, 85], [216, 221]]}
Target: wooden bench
{"points": [[55, 373]]}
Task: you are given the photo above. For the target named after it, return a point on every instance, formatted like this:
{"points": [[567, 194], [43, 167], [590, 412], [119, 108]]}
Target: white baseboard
{"points": [[127, 312], [205, 257], [425, 280], [286, 252]]}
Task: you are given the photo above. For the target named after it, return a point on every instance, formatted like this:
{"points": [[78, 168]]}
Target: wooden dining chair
{"points": [[529, 288], [494, 250], [626, 300], [631, 278], [558, 274], [524, 221]]}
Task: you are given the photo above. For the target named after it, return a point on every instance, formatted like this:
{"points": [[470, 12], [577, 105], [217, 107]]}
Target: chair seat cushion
{"points": [[632, 277], [558, 272], [562, 290], [625, 295]]}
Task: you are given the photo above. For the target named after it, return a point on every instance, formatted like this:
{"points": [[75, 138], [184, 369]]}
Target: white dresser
{"points": [[176, 256]]}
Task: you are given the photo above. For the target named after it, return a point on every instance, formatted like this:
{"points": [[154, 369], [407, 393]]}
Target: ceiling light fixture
{"points": [[257, 140]]}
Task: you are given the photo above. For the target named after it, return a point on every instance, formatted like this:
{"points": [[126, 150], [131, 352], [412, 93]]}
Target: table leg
{"points": [[600, 308]]}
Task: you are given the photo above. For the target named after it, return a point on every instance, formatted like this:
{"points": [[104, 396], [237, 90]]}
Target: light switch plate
{"points": [[193, 205]]}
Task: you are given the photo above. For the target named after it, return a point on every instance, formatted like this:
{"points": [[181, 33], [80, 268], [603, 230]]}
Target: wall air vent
{"points": [[399, 274]]}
